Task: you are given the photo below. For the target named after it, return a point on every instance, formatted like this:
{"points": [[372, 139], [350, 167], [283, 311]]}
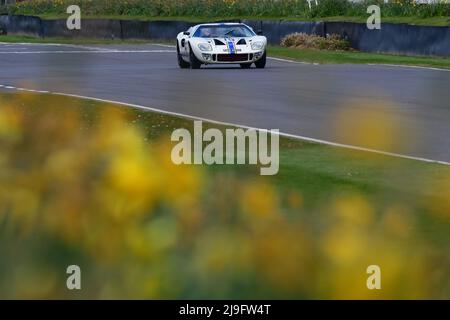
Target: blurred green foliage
{"points": [[233, 8]]}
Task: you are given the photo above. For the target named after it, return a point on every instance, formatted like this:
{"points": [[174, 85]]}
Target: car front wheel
{"points": [[195, 63], [261, 63], [181, 63]]}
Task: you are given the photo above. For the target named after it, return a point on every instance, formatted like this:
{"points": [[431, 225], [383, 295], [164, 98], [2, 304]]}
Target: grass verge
{"points": [[323, 56]]}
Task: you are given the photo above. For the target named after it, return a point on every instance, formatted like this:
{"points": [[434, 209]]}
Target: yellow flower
{"points": [[369, 124], [259, 199], [353, 209]]}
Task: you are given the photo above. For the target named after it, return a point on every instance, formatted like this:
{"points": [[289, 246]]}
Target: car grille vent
{"points": [[218, 42], [233, 57], [242, 41]]}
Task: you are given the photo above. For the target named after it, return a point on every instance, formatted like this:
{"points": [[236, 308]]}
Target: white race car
{"points": [[221, 43]]}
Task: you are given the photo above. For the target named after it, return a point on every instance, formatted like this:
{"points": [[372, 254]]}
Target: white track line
{"points": [[407, 66], [86, 51], [287, 135], [292, 61], [163, 45], [31, 90], [367, 64], [51, 44]]}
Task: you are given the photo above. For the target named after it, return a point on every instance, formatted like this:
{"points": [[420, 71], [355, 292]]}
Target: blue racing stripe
{"points": [[231, 47]]}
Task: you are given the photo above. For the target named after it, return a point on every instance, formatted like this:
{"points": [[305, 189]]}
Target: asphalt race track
{"points": [[299, 99]]}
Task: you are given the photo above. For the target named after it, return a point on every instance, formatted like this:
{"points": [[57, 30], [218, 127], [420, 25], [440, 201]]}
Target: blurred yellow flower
{"points": [[353, 209], [370, 124], [84, 183], [10, 123], [398, 220], [259, 200]]}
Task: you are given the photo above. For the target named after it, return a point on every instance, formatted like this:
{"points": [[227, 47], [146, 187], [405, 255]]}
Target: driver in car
{"points": [[206, 33]]}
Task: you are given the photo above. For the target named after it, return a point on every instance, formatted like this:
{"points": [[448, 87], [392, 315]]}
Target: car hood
{"points": [[218, 41], [230, 45]]}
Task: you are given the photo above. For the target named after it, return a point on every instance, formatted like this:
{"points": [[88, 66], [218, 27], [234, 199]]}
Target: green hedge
{"points": [[232, 8]]}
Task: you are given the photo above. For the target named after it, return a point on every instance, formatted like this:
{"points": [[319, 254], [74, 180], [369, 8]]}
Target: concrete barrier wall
{"points": [[160, 30], [92, 28], [395, 38], [22, 25], [132, 29], [4, 20], [392, 38], [276, 30]]}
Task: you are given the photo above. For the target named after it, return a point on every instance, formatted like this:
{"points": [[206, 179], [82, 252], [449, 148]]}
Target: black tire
{"points": [[261, 63], [183, 64], [195, 63], [246, 65]]}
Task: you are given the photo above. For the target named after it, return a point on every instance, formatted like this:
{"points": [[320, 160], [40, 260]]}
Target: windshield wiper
{"points": [[226, 33]]}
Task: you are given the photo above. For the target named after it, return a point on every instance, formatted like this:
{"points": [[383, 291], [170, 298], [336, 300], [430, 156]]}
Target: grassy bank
{"points": [[403, 10], [323, 56], [92, 183]]}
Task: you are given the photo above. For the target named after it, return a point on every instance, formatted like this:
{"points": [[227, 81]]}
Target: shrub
{"points": [[311, 41]]}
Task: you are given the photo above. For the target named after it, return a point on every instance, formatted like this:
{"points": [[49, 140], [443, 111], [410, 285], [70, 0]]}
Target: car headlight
{"points": [[205, 47], [258, 45]]}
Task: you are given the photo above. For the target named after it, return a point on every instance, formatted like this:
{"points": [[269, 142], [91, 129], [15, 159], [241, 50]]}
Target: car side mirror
{"points": [[259, 32], [186, 33]]}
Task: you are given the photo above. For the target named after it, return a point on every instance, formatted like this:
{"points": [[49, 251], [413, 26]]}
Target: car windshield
{"points": [[222, 31]]}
